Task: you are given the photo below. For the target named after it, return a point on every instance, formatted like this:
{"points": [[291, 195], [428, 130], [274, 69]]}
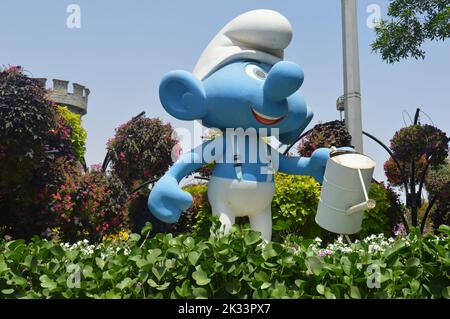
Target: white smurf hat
{"points": [[260, 35]]}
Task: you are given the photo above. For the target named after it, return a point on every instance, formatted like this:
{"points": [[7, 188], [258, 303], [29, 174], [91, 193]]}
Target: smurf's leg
{"points": [[225, 213], [262, 222]]}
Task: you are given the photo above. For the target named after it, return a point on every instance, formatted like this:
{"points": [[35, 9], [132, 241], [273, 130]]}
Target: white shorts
{"points": [[239, 197]]}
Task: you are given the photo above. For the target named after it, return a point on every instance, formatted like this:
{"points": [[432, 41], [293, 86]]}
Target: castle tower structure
{"points": [[76, 101]]}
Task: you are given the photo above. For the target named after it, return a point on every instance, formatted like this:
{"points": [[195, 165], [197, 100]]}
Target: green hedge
{"points": [[238, 265]]}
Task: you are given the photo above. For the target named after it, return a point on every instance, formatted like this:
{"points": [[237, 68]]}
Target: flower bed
{"points": [[235, 266]]}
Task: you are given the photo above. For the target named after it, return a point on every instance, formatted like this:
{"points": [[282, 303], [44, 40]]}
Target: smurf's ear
{"points": [[183, 96]]}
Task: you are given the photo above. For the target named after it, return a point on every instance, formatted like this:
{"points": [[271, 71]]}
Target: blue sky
{"points": [[123, 49]]}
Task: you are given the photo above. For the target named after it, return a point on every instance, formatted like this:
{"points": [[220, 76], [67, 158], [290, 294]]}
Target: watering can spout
{"points": [[368, 204]]}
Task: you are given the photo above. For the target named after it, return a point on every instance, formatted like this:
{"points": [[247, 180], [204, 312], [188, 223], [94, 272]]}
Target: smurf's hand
{"points": [[167, 200], [318, 161]]}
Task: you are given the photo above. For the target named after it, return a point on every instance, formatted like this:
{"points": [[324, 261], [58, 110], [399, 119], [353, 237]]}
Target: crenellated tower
{"points": [[76, 101]]}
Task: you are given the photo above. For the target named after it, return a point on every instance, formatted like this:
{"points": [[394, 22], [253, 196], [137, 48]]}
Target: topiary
{"points": [[328, 134], [141, 150], [78, 134]]}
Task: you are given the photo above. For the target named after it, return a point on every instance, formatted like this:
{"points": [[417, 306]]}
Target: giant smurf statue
{"points": [[241, 86]]}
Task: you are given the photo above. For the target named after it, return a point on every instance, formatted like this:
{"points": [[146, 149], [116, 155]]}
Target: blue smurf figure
{"points": [[241, 86]]}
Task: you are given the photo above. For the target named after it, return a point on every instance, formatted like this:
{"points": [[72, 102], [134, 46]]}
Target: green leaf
{"points": [[314, 265], [146, 229], [233, 287], [266, 285], [100, 262], [201, 277], [413, 262], [320, 289], [329, 294], [135, 237], [7, 291], [193, 257], [269, 251], [125, 283], [46, 282], [354, 292], [153, 255], [346, 265], [252, 238]]}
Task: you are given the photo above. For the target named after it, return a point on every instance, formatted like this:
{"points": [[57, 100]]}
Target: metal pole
{"points": [[352, 91]]}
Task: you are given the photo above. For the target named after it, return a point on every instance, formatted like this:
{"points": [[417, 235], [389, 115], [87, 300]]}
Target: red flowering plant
{"points": [[90, 205], [327, 134], [141, 150]]}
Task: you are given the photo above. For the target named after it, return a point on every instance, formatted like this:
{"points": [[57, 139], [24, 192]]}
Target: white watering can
{"points": [[344, 196]]}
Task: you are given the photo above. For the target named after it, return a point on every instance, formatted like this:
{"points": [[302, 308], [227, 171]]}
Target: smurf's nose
{"points": [[284, 79]]}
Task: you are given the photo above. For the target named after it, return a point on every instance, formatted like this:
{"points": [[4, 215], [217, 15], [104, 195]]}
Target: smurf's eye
{"points": [[255, 72]]}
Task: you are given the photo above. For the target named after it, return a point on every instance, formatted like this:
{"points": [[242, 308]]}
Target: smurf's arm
{"points": [[312, 166], [167, 200]]}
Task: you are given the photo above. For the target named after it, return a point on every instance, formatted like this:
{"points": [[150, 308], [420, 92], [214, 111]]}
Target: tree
{"points": [[412, 23]]}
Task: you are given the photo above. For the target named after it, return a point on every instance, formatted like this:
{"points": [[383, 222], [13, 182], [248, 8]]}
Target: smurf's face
{"points": [[252, 94], [242, 94]]}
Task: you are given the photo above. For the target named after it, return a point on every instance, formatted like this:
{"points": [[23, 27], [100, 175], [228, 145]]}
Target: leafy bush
{"points": [[141, 150], [196, 219], [78, 134], [327, 134], [294, 206], [89, 205], [384, 216], [27, 115], [238, 265]]}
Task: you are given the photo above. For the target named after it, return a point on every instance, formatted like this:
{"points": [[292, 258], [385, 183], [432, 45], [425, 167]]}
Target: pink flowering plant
{"points": [[90, 205]]}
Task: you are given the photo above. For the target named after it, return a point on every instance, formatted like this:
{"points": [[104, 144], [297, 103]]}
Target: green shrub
{"points": [[196, 219], [376, 220], [294, 206], [233, 266], [78, 135]]}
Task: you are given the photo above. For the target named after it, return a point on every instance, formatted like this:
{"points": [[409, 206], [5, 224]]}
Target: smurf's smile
{"points": [[266, 120]]}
